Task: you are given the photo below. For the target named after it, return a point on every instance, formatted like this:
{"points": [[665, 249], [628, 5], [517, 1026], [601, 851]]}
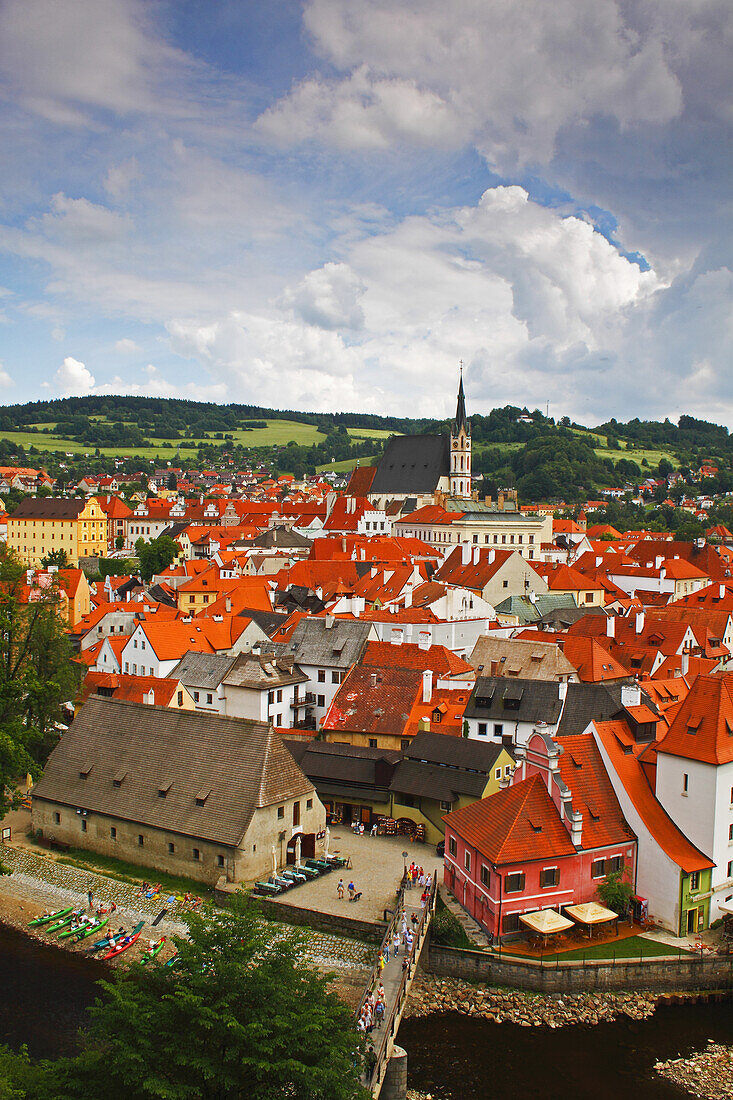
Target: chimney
{"points": [[500, 502], [149, 697], [576, 828], [611, 626], [396, 637], [562, 691], [373, 680], [721, 591], [427, 685], [408, 595], [684, 664], [639, 622], [658, 561], [476, 555], [328, 622], [630, 695], [465, 553], [423, 639], [228, 603], [491, 556]]}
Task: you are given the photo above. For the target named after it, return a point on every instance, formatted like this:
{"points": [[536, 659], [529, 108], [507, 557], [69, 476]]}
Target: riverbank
{"points": [[707, 1074], [510, 1006]]}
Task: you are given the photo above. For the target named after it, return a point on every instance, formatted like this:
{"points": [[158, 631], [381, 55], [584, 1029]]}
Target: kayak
{"points": [[99, 944], [127, 942], [51, 917], [153, 951], [172, 960], [82, 935], [60, 924], [75, 929]]}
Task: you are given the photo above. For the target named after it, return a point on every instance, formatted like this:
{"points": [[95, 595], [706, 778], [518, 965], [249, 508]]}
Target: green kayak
{"points": [[50, 917], [153, 951], [84, 932], [61, 923]]}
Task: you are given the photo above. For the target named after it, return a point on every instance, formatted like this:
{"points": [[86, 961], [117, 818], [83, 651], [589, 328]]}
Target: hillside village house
{"points": [[41, 525], [491, 574], [545, 841], [177, 791], [267, 688]]}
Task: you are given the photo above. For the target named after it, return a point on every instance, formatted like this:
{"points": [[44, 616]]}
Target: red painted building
{"points": [[545, 841]]}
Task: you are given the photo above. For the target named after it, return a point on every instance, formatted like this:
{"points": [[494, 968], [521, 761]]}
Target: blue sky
{"points": [[327, 205]]}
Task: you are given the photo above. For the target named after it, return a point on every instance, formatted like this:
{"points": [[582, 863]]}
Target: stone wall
{"points": [[691, 972], [311, 918]]}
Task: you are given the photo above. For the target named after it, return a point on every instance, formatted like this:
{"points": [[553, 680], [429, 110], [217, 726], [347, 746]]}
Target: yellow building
{"points": [[41, 525]]}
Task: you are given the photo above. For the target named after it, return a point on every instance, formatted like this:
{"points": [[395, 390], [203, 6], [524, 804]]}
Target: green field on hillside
{"points": [[347, 464]]}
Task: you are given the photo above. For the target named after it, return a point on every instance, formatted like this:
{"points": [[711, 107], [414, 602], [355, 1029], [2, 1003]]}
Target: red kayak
{"points": [[126, 942]]}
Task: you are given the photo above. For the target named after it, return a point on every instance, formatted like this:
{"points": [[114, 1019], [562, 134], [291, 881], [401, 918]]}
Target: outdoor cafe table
{"points": [[546, 922], [591, 913]]}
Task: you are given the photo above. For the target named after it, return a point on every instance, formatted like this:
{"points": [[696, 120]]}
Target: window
{"points": [[309, 804], [482, 729], [220, 861], [498, 729], [514, 883], [270, 698], [452, 845], [321, 675], [179, 698], [83, 824], [695, 880], [505, 584], [279, 698], [467, 860], [278, 719], [335, 678], [445, 805], [140, 840], [549, 876], [321, 700], [510, 922], [209, 697], [730, 832], [57, 819], [280, 813], [508, 769], [113, 833], [281, 837], [196, 854], [730, 868], [296, 814], [372, 742], [171, 847], [405, 743], [485, 876], [685, 783], [598, 868], [497, 773]]}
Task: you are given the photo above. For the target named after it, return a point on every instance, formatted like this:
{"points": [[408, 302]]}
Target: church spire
{"points": [[460, 421]]}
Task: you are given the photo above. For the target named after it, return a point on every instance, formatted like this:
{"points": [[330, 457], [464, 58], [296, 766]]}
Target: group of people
{"points": [[372, 1010], [415, 877], [354, 894]]}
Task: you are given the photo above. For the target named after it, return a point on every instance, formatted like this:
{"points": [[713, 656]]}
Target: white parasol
{"points": [[298, 843], [328, 841], [274, 861]]}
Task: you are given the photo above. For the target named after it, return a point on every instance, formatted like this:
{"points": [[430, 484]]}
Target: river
{"points": [[46, 992]]}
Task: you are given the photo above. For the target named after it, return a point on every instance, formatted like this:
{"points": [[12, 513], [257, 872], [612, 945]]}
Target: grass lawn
{"points": [[132, 872], [347, 464], [630, 948], [371, 433]]}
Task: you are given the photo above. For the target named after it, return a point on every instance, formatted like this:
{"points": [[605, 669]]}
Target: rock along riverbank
{"points": [[500, 1005], [707, 1074]]}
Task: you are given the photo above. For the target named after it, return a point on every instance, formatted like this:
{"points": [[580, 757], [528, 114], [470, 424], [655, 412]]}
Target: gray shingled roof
{"points": [[202, 670], [235, 765], [455, 752], [436, 781], [412, 464], [338, 645], [49, 508], [262, 672]]}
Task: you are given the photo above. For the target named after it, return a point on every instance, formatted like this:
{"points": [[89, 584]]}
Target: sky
{"points": [[328, 205]]}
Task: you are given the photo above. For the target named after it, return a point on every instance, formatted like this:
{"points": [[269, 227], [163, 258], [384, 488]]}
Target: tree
{"points": [[56, 557], [616, 891], [37, 673], [155, 556], [241, 1015]]}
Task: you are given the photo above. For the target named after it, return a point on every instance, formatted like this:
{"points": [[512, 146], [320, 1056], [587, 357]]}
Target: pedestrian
{"points": [[352, 890], [414, 919], [371, 1061], [374, 829], [381, 963], [423, 898], [90, 896], [340, 888], [386, 950], [379, 1012], [408, 943], [421, 878], [404, 965], [395, 943], [380, 993], [404, 923]]}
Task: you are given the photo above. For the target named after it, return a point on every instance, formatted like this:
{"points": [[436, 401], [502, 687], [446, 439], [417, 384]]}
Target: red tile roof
{"points": [[440, 660], [582, 769], [703, 727]]}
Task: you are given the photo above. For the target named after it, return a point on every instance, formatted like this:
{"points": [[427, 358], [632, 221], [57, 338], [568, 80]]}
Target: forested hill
{"points": [[543, 458]]}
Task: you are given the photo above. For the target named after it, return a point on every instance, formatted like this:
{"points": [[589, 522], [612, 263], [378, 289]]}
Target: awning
{"points": [[546, 921], [590, 912]]}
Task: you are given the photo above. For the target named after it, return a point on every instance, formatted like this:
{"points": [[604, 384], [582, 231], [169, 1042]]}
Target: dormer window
{"points": [[202, 795]]}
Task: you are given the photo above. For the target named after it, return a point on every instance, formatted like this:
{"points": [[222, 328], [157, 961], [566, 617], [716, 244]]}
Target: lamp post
{"points": [[404, 868]]}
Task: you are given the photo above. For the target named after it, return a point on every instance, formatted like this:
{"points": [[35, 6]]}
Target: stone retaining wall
{"points": [[311, 918], [659, 973]]}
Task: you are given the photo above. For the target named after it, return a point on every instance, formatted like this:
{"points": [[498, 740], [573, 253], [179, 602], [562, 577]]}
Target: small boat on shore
{"points": [[93, 927], [107, 940], [154, 949], [53, 928], [126, 942], [47, 918]]}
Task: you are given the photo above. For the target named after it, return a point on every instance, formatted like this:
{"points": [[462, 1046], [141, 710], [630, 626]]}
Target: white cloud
{"points": [[125, 346], [329, 298], [73, 379], [120, 177], [5, 379]]}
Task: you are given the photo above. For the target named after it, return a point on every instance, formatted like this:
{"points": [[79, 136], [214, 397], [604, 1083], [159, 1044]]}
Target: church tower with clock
{"points": [[460, 450]]}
